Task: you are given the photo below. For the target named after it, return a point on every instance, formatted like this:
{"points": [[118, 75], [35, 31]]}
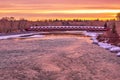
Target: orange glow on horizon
{"points": [[62, 14], [60, 9]]}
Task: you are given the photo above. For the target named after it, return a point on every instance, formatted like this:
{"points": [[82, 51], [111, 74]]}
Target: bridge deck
{"points": [[66, 28]]}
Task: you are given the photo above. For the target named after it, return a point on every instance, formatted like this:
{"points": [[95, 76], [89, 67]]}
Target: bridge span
{"points": [[67, 28]]}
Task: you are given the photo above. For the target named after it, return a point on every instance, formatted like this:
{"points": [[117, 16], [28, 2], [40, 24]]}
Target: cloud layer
{"points": [[59, 8]]}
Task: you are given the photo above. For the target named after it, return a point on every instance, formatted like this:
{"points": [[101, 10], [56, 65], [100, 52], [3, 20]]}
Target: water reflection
{"points": [[55, 36], [84, 35]]}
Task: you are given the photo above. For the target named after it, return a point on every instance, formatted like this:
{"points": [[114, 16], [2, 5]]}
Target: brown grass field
{"points": [[56, 57]]}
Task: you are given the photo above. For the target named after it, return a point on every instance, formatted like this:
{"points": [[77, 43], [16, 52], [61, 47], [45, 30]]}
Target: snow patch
{"points": [[118, 54], [115, 49], [19, 35], [36, 36], [91, 34], [105, 45]]}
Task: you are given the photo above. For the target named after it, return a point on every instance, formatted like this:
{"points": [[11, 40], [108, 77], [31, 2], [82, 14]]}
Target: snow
{"points": [[18, 36], [95, 41], [36, 36], [115, 49], [118, 54], [91, 34], [105, 45], [10, 36]]}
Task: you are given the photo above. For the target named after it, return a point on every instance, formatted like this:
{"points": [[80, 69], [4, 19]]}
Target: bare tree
{"points": [[22, 24], [11, 20], [105, 25], [4, 25], [114, 28]]}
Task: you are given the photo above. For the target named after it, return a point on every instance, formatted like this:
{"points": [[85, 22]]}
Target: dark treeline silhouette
{"points": [[10, 24]]}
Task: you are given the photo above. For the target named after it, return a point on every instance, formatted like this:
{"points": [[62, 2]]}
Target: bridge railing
{"points": [[66, 28]]}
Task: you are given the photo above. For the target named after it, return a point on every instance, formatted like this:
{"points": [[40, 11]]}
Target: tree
{"points": [[22, 24], [4, 24], [114, 28], [118, 16], [12, 22], [105, 25]]}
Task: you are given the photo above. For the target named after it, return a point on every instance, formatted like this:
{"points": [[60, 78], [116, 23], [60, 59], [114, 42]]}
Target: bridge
{"points": [[66, 28]]}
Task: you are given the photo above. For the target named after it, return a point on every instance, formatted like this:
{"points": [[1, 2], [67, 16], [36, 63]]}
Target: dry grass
{"points": [[56, 58]]}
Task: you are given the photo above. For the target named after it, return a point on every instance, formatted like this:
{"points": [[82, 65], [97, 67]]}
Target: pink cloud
{"points": [[8, 5]]}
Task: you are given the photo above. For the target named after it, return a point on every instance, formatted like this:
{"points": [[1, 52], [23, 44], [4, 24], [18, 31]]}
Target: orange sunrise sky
{"points": [[60, 9]]}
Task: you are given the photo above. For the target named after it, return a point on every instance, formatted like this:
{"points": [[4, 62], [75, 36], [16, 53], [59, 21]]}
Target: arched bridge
{"points": [[66, 28]]}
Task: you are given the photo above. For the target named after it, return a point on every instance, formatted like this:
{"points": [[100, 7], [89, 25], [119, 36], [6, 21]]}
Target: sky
{"points": [[59, 9]]}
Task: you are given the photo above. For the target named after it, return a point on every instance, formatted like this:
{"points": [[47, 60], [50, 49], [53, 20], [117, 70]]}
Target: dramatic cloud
{"points": [[67, 8]]}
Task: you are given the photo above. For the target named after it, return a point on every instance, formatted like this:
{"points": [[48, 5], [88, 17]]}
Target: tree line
{"points": [[10, 24]]}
